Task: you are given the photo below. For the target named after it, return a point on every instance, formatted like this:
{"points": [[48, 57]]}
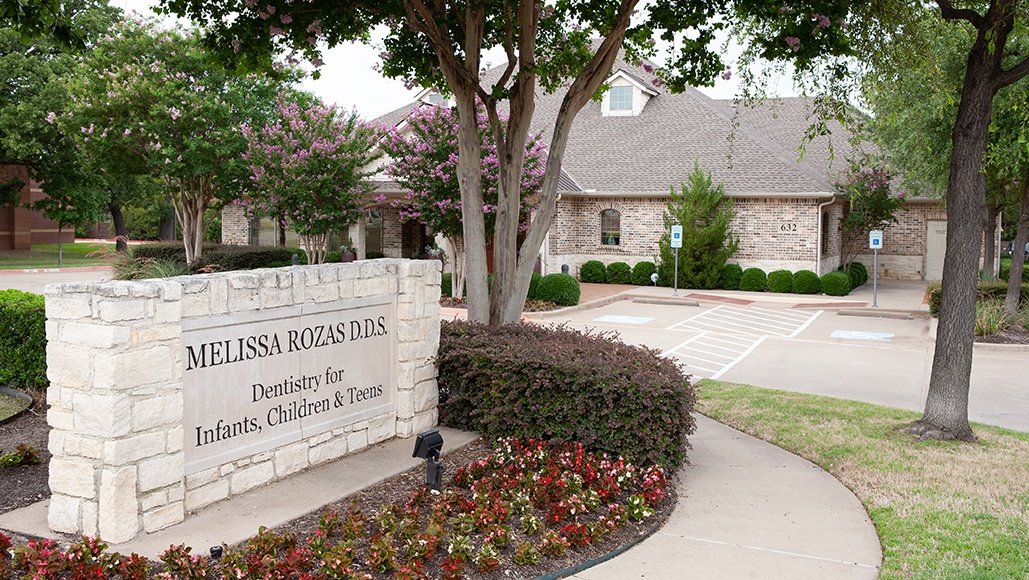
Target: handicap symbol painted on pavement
{"points": [[861, 335]]}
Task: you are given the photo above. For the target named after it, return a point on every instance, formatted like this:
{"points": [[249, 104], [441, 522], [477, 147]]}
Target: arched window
{"points": [[825, 233], [610, 227]]}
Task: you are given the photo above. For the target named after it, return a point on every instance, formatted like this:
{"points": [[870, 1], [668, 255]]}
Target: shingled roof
{"points": [[646, 154]]}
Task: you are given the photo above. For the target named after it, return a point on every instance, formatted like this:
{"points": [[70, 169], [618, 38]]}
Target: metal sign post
{"points": [[875, 242], [676, 244]]}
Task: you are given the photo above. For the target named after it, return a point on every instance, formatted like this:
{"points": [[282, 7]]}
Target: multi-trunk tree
{"points": [[424, 158], [308, 166], [151, 100], [566, 46]]}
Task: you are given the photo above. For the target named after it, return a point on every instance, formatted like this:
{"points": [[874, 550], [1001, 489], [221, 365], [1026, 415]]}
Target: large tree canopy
{"points": [[150, 100], [566, 46]]}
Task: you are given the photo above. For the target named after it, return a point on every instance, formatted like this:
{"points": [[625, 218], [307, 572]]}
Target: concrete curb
{"points": [[980, 346], [877, 313]]}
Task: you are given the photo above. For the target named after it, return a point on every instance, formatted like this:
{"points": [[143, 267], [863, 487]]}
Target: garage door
{"points": [[935, 248]]}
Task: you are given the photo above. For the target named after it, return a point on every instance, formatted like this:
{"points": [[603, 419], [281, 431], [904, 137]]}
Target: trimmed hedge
{"points": [[857, 272], [780, 281], [561, 289], [641, 273], [753, 280], [836, 283], [225, 256], [731, 275], [560, 384], [593, 272], [618, 273], [995, 290], [534, 284], [806, 282], [23, 341]]}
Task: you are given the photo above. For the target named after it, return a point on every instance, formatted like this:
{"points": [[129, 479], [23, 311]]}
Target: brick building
{"points": [[626, 151], [21, 227]]}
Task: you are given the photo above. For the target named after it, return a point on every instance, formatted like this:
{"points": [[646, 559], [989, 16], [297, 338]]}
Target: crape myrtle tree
{"points": [[705, 214], [870, 203], [424, 160], [308, 167], [568, 46], [882, 41], [153, 98]]}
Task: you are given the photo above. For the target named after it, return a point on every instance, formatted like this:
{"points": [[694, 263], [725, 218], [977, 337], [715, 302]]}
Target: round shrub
{"points": [[836, 283], [641, 273], [753, 280], [780, 281], [534, 284], [806, 282], [561, 289], [561, 384], [593, 272], [731, 274], [858, 274], [618, 273]]}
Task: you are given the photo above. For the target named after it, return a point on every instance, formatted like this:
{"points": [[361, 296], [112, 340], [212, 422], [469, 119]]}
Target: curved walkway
{"points": [[748, 509]]}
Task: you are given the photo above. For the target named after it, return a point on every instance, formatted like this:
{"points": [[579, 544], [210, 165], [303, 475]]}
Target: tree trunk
{"points": [[280, 226], [314, 245], [1011, 299], [60, 247], [946, 406], [990, 242], [457, 274], [121, 233]]}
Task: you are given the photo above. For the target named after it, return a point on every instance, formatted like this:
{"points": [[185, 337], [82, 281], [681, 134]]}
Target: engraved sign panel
{"points": [[259, 380]]}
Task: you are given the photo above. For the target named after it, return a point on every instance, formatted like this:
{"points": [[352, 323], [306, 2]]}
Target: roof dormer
{"points": [[626, 95], [433, 97]]}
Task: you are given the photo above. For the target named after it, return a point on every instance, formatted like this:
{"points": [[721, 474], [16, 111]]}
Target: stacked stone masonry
{"points": [[115, 364]]}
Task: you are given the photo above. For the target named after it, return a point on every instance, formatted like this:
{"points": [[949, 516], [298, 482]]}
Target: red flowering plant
{"points": [[528, 502]]}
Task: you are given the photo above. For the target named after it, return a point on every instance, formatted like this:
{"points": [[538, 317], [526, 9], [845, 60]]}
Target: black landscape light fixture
{"points": [[427, 446]]}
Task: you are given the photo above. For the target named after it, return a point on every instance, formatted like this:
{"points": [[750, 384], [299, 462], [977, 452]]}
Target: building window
{"points": [[437, 99], [825, 233], [610, 227], [621, 98]]}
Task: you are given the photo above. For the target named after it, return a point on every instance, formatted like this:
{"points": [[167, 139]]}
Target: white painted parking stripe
{"points": [[738, 359], [694, 317], [806, 324]]}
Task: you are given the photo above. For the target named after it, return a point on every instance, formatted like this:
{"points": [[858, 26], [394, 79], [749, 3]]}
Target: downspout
{"points": [[818, 247]]}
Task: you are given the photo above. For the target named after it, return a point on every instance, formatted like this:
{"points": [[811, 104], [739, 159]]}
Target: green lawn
{"points": [[10, 405], [942, 510], [45, 256]]}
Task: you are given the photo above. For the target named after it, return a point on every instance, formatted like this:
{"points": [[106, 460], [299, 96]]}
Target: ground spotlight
{"points": [[427, 446]]}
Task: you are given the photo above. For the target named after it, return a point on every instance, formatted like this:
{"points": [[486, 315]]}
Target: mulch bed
{"points": [[1015, 335], [25, 484]]}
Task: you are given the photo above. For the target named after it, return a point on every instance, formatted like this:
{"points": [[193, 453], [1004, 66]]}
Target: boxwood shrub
{"points": [[561, 289], [861, 270], [780, 281], [23, 341], [836, 283], [806, 282], [593, 272], [753, 280], [227, 257], [534, 284], [618, 273], [731, 275], [525, 380], [641, 273]]}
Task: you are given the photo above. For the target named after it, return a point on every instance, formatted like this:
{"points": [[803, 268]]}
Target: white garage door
{"points": [[935, 248]]}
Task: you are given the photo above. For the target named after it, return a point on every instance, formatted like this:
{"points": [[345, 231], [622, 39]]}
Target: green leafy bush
{"points": [[1005, 270], [641, 273], [730, 278], [991, 317], [836, 283], [593, 272], [995, 290], [374, 255], [806, 282], [780, 281], [23, 340], [561, 289], [525, 380], [618, 273], [753, 280], [225, 257], [856, 272], [534, 284], [445, 283]]}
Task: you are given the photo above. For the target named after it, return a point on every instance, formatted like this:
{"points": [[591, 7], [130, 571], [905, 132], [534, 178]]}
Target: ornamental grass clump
{"points": [[560, 384]]}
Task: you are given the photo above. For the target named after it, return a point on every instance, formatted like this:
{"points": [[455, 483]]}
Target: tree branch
{"points": [[948, 12], [1013, 74]]}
